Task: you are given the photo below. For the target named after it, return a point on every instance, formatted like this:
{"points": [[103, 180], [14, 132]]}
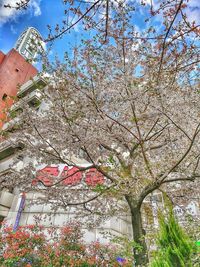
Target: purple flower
{"points": [[120, 260]]}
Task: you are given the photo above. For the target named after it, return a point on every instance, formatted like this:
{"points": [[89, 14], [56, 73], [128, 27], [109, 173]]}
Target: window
{"points": [[4, 97], [34, 103]]}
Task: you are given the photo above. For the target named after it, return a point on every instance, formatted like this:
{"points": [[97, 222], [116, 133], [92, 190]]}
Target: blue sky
{"points": [[38, 15], [43, 12]]}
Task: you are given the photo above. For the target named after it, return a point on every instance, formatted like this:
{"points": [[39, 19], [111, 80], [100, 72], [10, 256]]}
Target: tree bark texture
{"points": [[140, 255]]}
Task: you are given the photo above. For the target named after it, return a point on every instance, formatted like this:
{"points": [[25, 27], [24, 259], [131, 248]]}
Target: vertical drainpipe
{"points": [[19, 212]]}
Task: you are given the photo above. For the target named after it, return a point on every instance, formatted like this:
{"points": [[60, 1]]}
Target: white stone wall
{"points": [[115, 225]]}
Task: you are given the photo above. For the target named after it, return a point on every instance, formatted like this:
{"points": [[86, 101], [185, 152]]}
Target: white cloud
{"points": [[6, 13], [77, 27], [36, 8], [10, 14], [193, 15], [194, 3], [154, 3], [13, 29], [193, 10]]}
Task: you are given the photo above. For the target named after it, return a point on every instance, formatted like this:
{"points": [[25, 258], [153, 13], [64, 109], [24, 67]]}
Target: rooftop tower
{"points": [[29, 44]]}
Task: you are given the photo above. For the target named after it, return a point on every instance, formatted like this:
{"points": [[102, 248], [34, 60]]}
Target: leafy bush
{"points": [[29, 246], [175, 249]]}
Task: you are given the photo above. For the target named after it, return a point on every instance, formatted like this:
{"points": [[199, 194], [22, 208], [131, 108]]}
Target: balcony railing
{"points": [[8, 148], [6, 199], [33, 98], [36, 83]]}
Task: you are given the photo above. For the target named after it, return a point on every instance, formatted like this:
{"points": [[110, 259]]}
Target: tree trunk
{"points": [[140, 255]]}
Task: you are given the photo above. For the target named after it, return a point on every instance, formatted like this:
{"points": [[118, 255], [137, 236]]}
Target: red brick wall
{"points": [[14, 71], [1, 57]]}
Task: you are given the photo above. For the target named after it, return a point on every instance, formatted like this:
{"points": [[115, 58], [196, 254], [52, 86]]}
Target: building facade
{"points": [[14, 71], [29, 44], [17, 208]]}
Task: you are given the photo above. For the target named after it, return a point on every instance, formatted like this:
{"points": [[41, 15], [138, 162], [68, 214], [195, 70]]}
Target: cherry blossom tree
{"points": [[130, 108], [139, 131]]}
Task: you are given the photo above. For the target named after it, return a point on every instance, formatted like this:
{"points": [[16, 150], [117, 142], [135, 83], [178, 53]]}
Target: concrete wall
{"points": [[116, 225]]}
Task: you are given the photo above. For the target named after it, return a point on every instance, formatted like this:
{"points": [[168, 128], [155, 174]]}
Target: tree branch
{"points": [[183, 156], [165, 38], [191, 178], [74, 24]]}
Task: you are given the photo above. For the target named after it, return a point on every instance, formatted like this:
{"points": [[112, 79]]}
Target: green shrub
{"points": [[175, 249]]}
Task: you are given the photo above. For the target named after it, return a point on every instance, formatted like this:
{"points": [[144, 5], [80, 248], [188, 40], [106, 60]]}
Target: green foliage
{"points": [[175, 249], [100, 188], [127, 246], [30, 247]]}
